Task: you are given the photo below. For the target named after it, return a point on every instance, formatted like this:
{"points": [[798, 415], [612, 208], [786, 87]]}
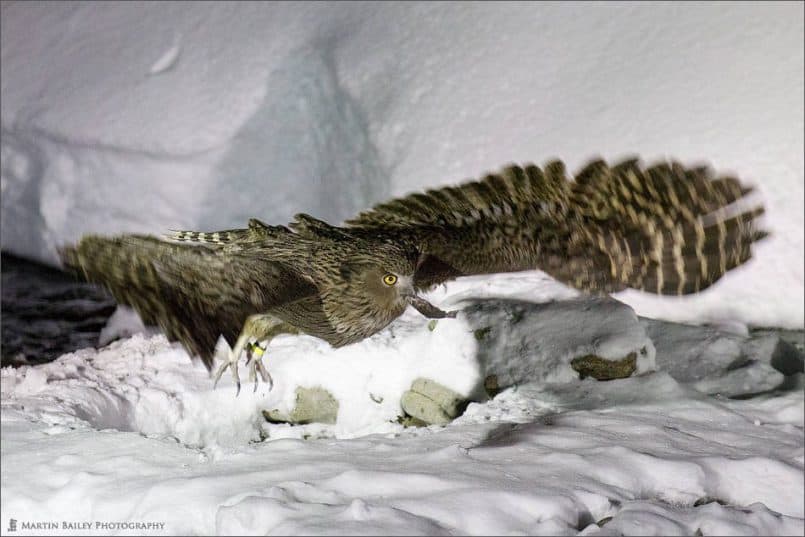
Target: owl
{"points": [[666, 229]]}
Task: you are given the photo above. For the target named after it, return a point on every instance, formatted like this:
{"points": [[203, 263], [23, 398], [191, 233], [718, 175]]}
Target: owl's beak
{"points": [[406, 288]]}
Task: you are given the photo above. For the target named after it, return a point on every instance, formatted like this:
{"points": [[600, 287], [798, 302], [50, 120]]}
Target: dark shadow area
{"points": [[46, 312]]}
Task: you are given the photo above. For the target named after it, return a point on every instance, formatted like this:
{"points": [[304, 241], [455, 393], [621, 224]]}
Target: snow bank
{"points": [[639, 455], [166, 394], [144, 117], [134, 433]]}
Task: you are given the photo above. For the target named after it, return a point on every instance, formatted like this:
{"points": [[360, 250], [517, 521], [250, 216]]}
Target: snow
{"points": [[645, 460], [134, 432], [154, 116]]}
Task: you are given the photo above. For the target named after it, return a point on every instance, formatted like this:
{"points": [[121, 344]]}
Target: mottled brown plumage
{"points": [[665, 229]]}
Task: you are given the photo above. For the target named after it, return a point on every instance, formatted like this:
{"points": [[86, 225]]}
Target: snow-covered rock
{"points": [[524, 342], [721, 362]]}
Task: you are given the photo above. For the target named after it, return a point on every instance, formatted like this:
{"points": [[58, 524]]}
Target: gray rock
{"points": [[715, 361], [312, 405], [432, 403], [522, 342]]}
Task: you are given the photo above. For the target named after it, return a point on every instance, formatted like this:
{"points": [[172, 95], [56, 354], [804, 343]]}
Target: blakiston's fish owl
{"points": [[664, 229]]}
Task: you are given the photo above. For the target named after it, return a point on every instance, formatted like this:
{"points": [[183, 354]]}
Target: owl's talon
{"points": [[252, 369], [219, 373], [254, 338], [265, 374], [254, 353], [230, 363], [233, 366]]}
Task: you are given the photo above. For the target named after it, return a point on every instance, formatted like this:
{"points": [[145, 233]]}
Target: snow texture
{"points": [[135, 433], [151, 116]]}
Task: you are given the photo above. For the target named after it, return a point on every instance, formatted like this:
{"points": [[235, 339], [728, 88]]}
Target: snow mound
{"points": [[166, 394], [638, 455]]}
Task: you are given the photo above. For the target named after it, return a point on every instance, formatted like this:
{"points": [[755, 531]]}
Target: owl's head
{"points": [[385, 277], [369, 286]]}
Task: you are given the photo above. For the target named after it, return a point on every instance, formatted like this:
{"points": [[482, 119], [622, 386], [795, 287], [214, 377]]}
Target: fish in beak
{"points": [[429, 310]]}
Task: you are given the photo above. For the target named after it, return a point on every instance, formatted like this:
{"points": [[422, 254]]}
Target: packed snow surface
{"points": [[134, 433], [152, 116]]}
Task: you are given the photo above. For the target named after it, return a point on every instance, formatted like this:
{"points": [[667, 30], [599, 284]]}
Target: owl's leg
{"points": [[257, 333]]}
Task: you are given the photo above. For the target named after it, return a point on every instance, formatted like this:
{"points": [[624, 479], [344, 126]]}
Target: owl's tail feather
{"points": [[665, 229]]}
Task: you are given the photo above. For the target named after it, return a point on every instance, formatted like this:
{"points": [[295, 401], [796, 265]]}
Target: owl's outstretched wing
{"points": [[666, 229], [193, 293]]}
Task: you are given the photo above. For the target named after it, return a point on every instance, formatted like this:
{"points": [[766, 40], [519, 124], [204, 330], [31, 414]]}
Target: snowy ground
{"points": [[133, 432]]}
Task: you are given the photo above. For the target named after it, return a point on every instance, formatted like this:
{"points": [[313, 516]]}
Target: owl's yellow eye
{"points": [[389, 279]]}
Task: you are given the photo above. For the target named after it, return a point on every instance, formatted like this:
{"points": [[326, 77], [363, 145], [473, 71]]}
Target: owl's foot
{"points": [[231, 364], [254, 362], [257, 333]]}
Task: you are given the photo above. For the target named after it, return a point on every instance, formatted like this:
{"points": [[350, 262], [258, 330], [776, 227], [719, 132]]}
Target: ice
{"points": [[148, 117]]}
